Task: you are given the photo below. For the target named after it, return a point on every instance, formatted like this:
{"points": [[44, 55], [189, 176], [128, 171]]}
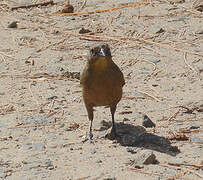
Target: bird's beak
{"points": [[102, 52]]}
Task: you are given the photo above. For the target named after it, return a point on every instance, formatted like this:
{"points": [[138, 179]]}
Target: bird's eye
{"points": [[92, 51]]}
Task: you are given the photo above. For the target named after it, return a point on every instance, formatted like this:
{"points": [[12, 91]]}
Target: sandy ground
{"points": [[159, 48]]}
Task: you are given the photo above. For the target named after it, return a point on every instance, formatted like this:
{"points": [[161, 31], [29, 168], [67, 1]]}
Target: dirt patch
{"points": [[43, 119]]}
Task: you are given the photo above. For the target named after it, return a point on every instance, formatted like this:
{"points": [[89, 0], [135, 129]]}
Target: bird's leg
{"points": [[113, 130], [90, 116]]}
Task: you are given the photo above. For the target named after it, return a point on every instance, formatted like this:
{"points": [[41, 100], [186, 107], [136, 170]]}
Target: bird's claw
{"points": [[88, 137], [112, 135]]}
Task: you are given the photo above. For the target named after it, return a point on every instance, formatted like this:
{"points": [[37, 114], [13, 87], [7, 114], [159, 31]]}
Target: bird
{"points": [[102, 84]]}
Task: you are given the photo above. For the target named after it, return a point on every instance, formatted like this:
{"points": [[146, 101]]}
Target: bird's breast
{"points": [[100, 65]]}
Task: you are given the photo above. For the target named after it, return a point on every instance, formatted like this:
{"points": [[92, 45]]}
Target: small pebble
{"points": [[147, 122], [156, 29], [68, 8], [145, 158], [199, 31], [93, 151], [84, 31], [13, 25], [132, 150], [200, 68], [161, 30], [194, 127]]}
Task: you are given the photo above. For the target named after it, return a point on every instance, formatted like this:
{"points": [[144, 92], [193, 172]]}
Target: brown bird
{"points": [[102, 83]]}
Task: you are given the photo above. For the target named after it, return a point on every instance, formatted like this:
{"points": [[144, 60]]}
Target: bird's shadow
{"points": [[136, 136]]}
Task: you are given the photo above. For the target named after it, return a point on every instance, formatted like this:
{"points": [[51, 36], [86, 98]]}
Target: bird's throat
{"points": [[101, 64]]}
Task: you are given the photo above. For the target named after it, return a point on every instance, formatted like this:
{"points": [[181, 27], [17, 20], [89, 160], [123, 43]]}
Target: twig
{"points": [[5, 138], [150, 63], [185, 60], [5, 109], [171, 47], [174, 115], [33, 5], [33, 125], [185, 9], [100, 11], [144, 172], [190, 130], [40, 75], [190, 170], [118, 39], [176, 176], [2, 53], [153, 97], [129, 97], [44, 48], [51, 114], [184, 164], [52, 105], [83, 5], [131, 40]]}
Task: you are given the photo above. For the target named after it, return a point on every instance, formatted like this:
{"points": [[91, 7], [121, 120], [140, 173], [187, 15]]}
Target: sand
{"points": [[43, 119]]}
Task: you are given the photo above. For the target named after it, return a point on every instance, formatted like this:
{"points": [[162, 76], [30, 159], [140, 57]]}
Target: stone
{"points": [[74, 75], [99, 161], [199, 31], [132, 150], [200, 68], [194, 127], [156, 29], [84, 31], [13, 25], [68, 8], [145, 158], [161, 30], [110, 178], [93, 151], [147, 122]]}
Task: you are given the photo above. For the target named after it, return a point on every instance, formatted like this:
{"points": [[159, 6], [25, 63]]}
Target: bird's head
{"points": [[102, 50], [100, 56]]}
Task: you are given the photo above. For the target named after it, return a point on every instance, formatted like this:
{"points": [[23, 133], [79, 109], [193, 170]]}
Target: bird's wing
{"points": [[119, 74], [84, 75]]}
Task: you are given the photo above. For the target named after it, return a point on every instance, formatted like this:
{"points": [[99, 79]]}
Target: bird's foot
{"points": [[88, 137], [112, 135]]}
